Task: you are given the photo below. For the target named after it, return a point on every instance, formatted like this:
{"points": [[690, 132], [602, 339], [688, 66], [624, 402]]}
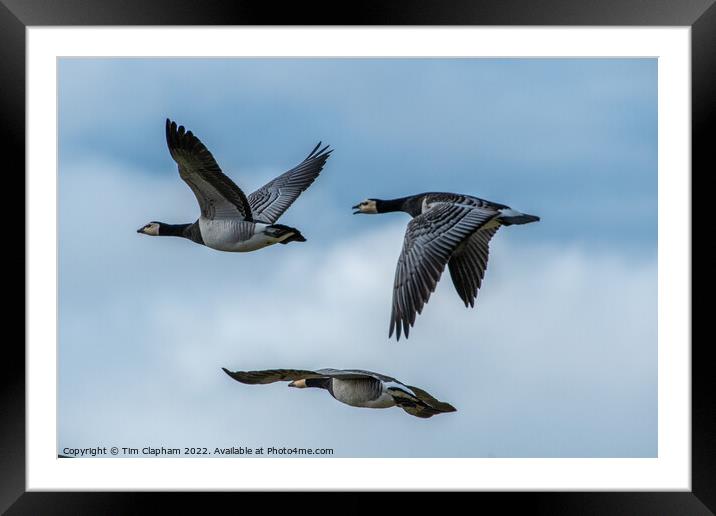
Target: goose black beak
{"points": [[357, 208], [140, 230]]}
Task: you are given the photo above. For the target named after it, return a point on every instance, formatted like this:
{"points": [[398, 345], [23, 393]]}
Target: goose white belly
{"points": [[237, 236], [346, 392]]}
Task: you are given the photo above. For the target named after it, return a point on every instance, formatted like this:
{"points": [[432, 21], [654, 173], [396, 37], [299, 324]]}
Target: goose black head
{"points": [[368, 206], [151, 229]]}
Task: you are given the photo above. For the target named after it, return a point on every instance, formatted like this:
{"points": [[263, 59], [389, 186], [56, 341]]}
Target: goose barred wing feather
{"points": [[271, 375], [270, 201], [468, 264], [429, 242], [218, 196]]}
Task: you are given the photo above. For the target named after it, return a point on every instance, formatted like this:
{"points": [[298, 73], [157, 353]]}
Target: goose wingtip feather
{"points": [[230, 373]]}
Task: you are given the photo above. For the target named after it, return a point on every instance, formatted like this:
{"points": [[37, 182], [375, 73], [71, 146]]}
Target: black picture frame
{"points": [[16, 15]]}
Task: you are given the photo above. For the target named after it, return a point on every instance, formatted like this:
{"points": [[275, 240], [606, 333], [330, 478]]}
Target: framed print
{"points": [[564, 368]]}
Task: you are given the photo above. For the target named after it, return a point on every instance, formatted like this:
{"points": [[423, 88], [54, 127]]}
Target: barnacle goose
{"points": [[447, 228], [229, 220], [353, 387]]}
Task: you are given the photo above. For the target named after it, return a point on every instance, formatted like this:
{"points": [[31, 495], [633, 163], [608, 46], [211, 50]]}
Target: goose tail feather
{"points": [[509, 217]]}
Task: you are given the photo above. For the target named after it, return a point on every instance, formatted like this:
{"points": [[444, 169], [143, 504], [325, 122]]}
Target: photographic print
{"points": [[440, 257]]}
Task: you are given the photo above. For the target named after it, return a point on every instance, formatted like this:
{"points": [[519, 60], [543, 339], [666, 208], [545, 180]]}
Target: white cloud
{"points": [[558, 358]]}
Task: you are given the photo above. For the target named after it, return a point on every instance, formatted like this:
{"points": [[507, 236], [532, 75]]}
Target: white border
{"points": [[670, 471]]}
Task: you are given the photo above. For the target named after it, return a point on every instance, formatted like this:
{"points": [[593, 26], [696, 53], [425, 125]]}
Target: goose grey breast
{"points": [[361, 392]]}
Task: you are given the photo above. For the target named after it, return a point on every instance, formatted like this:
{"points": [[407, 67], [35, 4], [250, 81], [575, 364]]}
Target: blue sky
{"points": [[558, 359]]}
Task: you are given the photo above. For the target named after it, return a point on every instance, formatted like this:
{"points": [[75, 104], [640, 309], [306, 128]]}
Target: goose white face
{"points": [[367, 206], [151, 229], [300, 384]]}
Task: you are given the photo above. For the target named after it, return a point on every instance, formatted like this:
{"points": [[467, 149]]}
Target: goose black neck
{"points": [[321, 383], [177, 230], [411, 205], [387, 206]]}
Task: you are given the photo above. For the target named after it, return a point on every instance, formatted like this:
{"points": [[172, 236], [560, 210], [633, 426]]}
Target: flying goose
{"points": [[446, 228], [229, 220], [353, 387]]}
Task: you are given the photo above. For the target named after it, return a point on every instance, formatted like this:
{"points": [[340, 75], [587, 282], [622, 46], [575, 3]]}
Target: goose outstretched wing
{"points": [[270, 201], [289, 375], [218, 196], [271, 375], [430, 240], [468, 264]]}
